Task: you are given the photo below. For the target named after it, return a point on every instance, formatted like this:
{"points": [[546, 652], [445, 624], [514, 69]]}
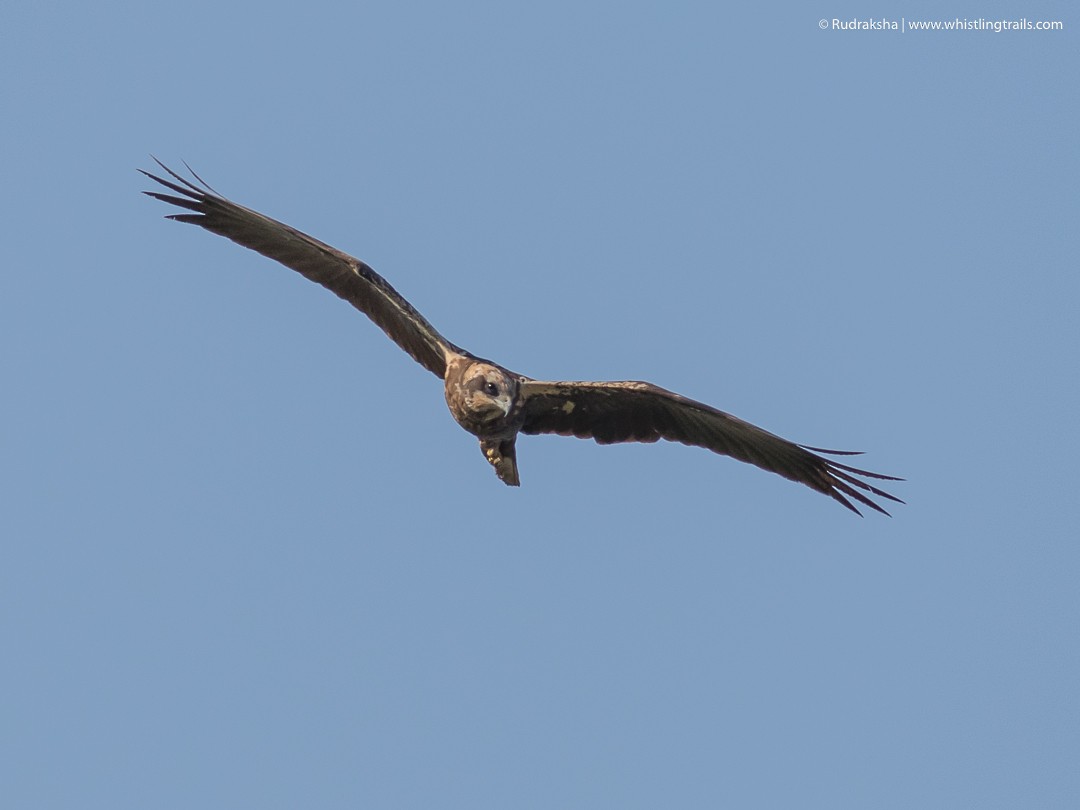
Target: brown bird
{"points": [[496, 404]]}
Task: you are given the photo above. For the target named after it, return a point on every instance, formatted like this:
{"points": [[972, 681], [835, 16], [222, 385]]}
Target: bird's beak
{"points": [[498, 409]]}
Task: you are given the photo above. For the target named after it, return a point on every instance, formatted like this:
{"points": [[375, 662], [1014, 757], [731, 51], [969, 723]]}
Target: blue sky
{"points": [[249, 560]]}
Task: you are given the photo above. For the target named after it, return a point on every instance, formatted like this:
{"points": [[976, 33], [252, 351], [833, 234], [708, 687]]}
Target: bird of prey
{"points": [[496, 404]]}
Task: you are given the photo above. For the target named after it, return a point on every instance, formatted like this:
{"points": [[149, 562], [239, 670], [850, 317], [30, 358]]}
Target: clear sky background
{"points": [[249, 560]]}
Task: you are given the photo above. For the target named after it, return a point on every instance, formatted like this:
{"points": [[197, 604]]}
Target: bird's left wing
{"points": [[340, 273], [611, 412]]}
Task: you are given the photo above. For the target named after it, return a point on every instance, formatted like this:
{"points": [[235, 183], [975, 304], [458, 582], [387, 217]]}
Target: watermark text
{"points": [[902, 24]]}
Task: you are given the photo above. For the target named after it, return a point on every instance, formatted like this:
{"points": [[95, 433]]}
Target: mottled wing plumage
{"points": [[345, 276], [611, 412]]}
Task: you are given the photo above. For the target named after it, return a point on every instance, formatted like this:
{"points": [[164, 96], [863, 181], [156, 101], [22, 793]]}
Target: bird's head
{"points": [[489, 391]]}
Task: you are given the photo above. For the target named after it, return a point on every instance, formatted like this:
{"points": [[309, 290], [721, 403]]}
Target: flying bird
{"points": [[496, 404]]}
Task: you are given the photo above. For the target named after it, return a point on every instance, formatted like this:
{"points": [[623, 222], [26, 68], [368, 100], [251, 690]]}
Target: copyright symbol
{"points": [[823, 24]]}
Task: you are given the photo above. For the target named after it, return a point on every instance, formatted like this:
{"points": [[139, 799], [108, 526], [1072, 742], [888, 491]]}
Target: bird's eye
{"points": [[491, 389]]}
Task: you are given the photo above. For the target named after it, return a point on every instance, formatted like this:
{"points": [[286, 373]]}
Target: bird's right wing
{"points": [[343, 275]]}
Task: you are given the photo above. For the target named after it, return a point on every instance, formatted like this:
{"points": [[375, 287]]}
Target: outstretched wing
{"points": [[340, 273], [611, 412]]}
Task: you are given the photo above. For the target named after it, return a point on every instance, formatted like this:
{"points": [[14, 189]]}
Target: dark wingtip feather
{"points": [[867, 473], [844, 501], [182, 202], [195, 174], [856, 470]]}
